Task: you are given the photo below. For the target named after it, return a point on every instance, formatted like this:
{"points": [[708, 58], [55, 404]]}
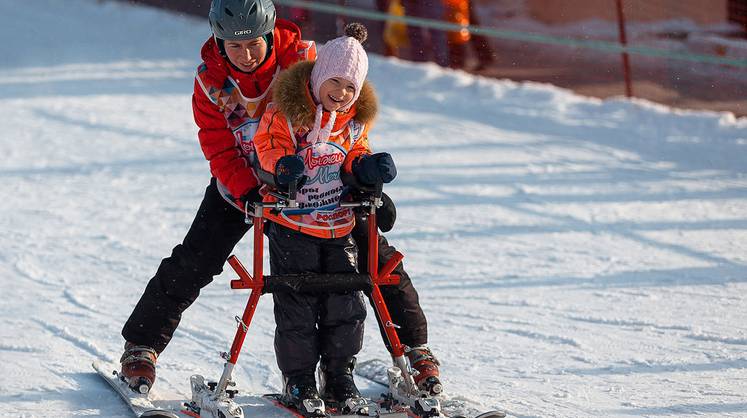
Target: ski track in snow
{"points": [[629, 323], [718, 339], [81, 342], [575, 257]]}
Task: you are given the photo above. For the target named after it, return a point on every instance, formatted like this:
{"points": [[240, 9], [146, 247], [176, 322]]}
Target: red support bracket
{"points": [[385, 276], [391, 280], [245, 280]]}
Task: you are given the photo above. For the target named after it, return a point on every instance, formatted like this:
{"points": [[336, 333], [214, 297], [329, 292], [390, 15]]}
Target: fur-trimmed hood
{"points": [[292, 96]]}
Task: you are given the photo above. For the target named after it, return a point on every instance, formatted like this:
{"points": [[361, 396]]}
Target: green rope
{"points": [[603, 46]]}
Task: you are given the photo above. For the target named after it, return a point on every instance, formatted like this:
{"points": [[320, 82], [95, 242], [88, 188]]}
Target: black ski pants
{"points": [[401, 300], [215, 231], [310, 326]]}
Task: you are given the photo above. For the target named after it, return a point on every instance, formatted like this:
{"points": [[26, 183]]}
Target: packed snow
{"points": [[575, 257]]}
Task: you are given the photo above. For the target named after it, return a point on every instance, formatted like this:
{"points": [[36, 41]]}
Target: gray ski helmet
{"points": [[238, 20]]}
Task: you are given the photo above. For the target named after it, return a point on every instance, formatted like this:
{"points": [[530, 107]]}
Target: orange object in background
{"points": [[457, 11], [395, 32]]}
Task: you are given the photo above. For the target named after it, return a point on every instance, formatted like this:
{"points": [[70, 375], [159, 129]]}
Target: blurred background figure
{"points": [[323, 26], [377, 40], [396, 38], [426, 44], [462, 12], [480, 43], [297, 15], [395, 32]]}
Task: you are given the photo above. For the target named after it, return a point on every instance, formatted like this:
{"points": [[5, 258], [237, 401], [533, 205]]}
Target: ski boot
{"points": [[138, 367], [425, 367], [300, 392], [338, 387]]}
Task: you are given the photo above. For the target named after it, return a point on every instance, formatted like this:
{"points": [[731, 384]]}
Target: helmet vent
{"points": [[228, 12], [253, 10]]}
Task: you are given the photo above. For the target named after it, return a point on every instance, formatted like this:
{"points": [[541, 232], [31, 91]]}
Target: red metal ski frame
{"points": [[256, 283]]}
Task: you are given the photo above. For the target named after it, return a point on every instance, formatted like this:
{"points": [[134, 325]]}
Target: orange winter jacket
{"points": [[283, 131]]}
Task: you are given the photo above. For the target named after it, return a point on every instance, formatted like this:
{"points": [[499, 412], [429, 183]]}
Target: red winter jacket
{"points": [[228, 105]]}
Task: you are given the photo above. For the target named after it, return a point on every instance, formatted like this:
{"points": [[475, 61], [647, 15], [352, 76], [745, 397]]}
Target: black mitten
{"points": [[289, 169], [386, 214], [375, 168]]}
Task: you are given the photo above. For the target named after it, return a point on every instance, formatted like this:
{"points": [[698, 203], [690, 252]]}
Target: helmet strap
{"points": [[270, 41], [221, 47]]}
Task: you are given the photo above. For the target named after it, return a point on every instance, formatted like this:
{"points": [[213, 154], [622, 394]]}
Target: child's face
{"points": [[336, 93], [246, 55]]}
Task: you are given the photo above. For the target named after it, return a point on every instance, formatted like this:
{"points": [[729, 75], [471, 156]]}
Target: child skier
{"points": [[318, 128], [232, 88]]}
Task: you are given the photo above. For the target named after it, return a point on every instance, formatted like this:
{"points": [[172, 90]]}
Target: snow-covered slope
{"points": [[575, 258]]}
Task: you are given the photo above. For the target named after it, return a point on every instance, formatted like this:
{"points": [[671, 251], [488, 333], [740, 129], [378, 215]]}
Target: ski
{"points": [[158, 405], [332, 412], [375, 370], [145, 406]]}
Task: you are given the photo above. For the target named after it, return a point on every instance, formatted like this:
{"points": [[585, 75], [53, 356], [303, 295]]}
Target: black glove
{"points": [[386, 214], [251, 197], [289, 169], [375, 168]]}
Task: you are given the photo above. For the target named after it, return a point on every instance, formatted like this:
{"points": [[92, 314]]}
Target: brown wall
{"points": [[565, 11], [192, 7]]}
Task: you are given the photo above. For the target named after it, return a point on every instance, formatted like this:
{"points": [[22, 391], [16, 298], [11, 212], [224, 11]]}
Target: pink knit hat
{"points": [[342, 57]]}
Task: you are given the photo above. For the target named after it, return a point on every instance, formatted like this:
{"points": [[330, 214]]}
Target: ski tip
{"points": [[158, 413], [489, 414], [492, 414]]}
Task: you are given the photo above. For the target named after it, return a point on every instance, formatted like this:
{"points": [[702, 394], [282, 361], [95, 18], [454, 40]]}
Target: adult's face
{"points": [[246, 55]]}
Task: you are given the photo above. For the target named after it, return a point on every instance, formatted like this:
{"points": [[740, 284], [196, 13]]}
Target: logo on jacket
{"points": [[331, 216], [356, 129], [322, 160]]}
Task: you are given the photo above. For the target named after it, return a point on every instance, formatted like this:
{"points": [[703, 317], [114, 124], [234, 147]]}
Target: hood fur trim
{"points": [[292, 96]]}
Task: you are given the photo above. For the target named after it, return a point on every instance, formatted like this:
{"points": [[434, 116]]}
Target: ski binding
{"points": [[206, 401]]}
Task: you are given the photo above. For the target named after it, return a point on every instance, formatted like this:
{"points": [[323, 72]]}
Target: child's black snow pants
{"points": [[310, 326], [215, 231]]}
